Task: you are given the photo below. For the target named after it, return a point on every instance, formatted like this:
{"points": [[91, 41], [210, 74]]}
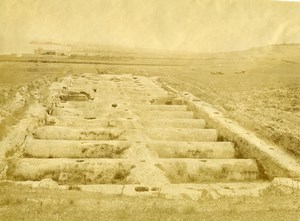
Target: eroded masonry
{"points": [[124, 134]]}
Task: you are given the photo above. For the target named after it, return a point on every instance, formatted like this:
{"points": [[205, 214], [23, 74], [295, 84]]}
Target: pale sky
{"points": [[186, 25]]}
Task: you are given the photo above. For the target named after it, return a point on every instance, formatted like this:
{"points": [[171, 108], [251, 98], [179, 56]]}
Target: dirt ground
{"points": [[272, 112], [22, 82], [24, 203]]}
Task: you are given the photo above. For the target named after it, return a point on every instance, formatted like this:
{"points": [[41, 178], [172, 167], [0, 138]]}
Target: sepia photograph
{"points": [[166, 110]]}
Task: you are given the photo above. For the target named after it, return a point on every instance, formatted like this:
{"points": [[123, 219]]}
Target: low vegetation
{"points": [[24, 203]]}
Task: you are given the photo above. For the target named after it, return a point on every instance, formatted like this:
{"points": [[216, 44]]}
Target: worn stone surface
{"points": [[124, 134], [273, 159]]}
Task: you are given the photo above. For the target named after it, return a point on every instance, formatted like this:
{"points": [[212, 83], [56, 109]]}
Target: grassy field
{"points": [[24, 203]]}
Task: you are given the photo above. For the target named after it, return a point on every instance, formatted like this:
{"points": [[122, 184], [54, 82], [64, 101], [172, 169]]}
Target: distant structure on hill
{"points": [[41, 51]]}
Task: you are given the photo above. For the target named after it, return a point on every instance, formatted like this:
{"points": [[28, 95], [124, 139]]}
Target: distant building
{"points": [[41, 51]]}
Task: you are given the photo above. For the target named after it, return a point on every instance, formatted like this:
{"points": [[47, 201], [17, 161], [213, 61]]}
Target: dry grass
{"points": [[24, 203]]}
